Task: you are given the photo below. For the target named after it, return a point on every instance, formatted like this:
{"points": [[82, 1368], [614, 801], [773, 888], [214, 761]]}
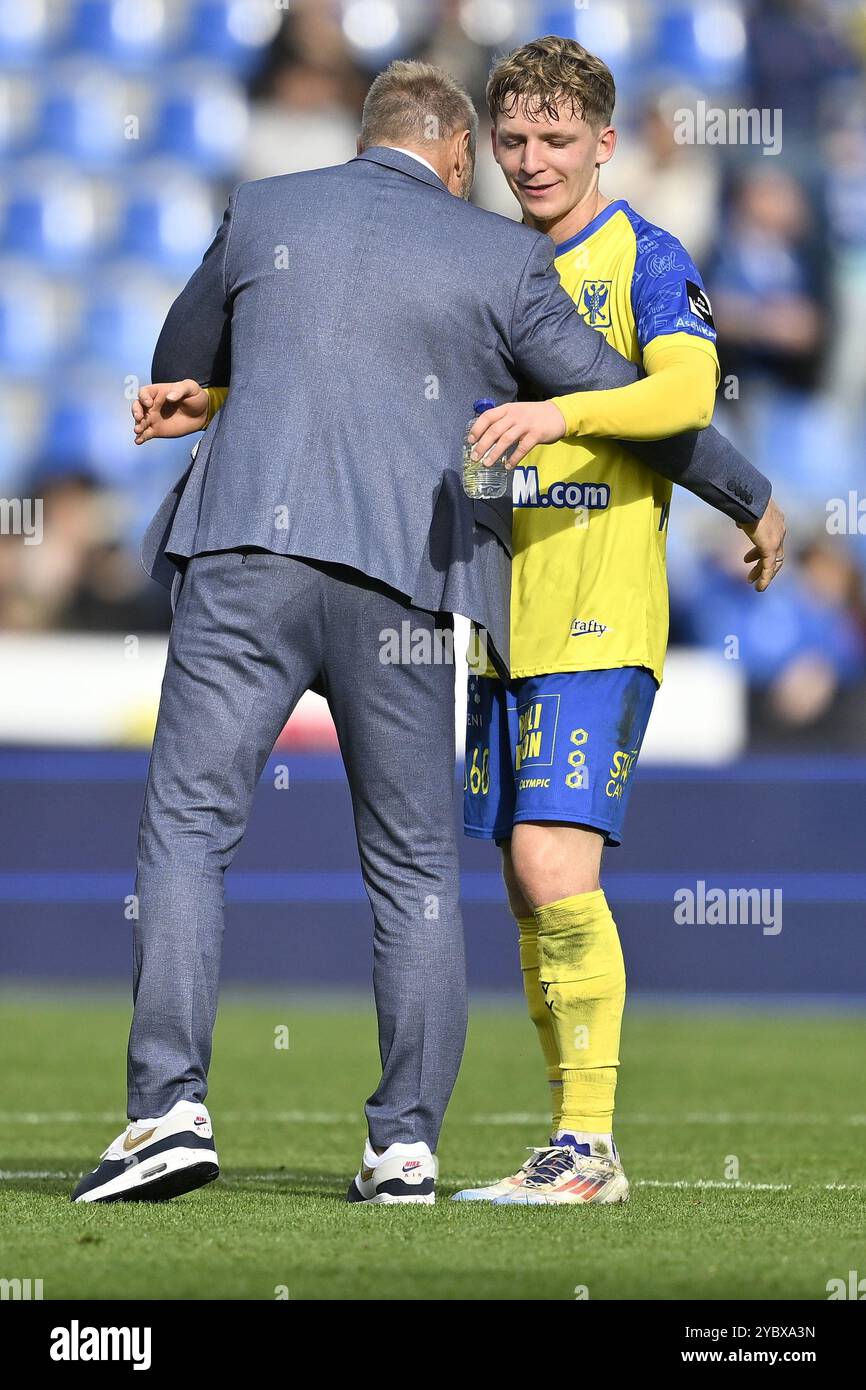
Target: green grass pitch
{"points": [[702, 1095]]}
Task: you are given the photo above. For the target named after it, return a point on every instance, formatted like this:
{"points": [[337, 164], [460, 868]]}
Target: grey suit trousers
{"points": [[252, 631]]}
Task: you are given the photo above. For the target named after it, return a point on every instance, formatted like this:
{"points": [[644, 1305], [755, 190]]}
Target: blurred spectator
{"points": [[307, 101], [802, 643], [799, 56], [846, 198], [79, 577], [769, 285], [675, 186]]}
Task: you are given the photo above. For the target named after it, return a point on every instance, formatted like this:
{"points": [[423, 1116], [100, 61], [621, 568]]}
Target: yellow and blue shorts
{"points": [[559, 747]]}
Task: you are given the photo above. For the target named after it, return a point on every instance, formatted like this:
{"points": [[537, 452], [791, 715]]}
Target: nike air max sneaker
{"points": [[153, 1160], [568, 1174], [502, 1188], [404, 1173]]}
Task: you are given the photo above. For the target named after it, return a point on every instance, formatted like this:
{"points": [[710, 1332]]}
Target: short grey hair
{"points": [[414, 103]]}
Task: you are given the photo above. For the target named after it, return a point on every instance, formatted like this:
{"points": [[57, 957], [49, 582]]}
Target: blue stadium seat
{"points": [[203, 119], [233, 32], [125, 313], [130, 34], [169, 218], [85, 117], [607, 30], [704, 40], [18, 114], [88, 422], [52, 213], [33, 330], [30, 31]]}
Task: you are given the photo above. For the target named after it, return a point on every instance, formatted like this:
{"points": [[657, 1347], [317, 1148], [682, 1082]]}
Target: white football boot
{"points": [[153, 1160], [404, 1173], [569, 1174], [504, 1187]]}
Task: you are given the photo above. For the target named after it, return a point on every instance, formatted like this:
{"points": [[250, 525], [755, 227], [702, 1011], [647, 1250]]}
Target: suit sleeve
{"points": [[195, 340], [552, 345]]}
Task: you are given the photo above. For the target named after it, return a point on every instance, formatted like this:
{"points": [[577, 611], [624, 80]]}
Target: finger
{"points": [[490, 447], [523, 447], [507, 439], [484, 421], [490, 438], [181, 390], [752, 554], [145, 395], [766, 570], [137, 410]]}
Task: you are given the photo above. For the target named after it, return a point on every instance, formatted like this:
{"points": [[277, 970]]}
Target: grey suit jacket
{"points": [[357, 312]]}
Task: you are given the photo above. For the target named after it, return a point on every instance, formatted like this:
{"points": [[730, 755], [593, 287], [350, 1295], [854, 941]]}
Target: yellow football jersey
{"points": [[589, 583]]}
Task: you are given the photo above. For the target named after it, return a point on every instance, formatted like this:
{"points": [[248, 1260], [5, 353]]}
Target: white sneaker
{"points": [[153, 1160], [562, 1175], [502, 1188], [403, 1173]]}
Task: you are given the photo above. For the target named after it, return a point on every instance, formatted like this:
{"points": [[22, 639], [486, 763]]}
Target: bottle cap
{"points": [[481, 406]]}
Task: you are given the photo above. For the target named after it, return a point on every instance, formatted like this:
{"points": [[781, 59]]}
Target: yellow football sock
{"points": [[582, 977], [540, 1014]]}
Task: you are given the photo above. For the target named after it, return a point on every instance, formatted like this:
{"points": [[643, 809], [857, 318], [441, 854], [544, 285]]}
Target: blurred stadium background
{"points": [[123, 126]]}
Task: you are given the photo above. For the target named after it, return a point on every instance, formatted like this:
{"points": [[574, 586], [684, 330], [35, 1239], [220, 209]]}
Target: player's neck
{"points": [[574, 221]]}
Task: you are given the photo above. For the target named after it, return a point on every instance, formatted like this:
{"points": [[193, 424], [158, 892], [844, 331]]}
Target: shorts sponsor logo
{"points": [[620, 771], [536, 732]]}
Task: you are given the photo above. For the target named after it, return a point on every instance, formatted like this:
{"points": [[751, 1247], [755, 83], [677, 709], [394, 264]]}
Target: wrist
{"points": [[569, 410]]}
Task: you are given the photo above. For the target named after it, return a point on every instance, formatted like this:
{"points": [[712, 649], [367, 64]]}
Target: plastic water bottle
{"points": [[479, 482]]}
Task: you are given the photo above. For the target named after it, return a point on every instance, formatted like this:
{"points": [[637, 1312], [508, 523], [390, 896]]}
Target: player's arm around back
{"points": [[678, 393]]}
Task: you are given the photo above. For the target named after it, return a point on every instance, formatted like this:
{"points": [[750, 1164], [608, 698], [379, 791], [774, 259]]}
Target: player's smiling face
{"points": [[552, 165]]}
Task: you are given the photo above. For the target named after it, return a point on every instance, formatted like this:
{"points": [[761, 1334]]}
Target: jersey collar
{"points": [[592, 227]]}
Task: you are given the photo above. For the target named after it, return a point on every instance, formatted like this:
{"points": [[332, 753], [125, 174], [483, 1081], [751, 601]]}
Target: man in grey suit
{"points": [[356, 313]]}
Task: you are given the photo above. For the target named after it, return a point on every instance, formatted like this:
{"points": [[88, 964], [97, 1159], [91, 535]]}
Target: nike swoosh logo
{"points": [[129, 1143]]}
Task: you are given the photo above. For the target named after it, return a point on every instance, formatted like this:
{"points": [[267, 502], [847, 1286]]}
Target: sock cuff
{"points": [[575, 911]]}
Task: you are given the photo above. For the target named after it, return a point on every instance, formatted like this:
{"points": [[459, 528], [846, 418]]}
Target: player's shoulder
{"points": [[657, 251]]}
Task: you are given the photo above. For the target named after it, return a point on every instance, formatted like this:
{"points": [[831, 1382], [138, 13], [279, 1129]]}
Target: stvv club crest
{"points": [[594, 303]]}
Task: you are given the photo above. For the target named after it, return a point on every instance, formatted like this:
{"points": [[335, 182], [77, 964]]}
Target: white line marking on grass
{"points": [[12, 1175], [502, 1119], [718, 1183]]}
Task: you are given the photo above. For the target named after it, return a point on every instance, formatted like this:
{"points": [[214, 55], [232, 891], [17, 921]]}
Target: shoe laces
{"points": [[551, 1162]]}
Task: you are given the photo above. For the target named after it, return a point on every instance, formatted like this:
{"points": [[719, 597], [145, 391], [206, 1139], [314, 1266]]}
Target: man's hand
{"points": [[768, 536], [169, 411], [522, 424]]}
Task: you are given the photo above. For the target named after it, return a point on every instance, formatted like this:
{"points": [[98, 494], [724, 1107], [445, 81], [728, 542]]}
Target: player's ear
{"points": [[606, 145], [493, 143]]}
